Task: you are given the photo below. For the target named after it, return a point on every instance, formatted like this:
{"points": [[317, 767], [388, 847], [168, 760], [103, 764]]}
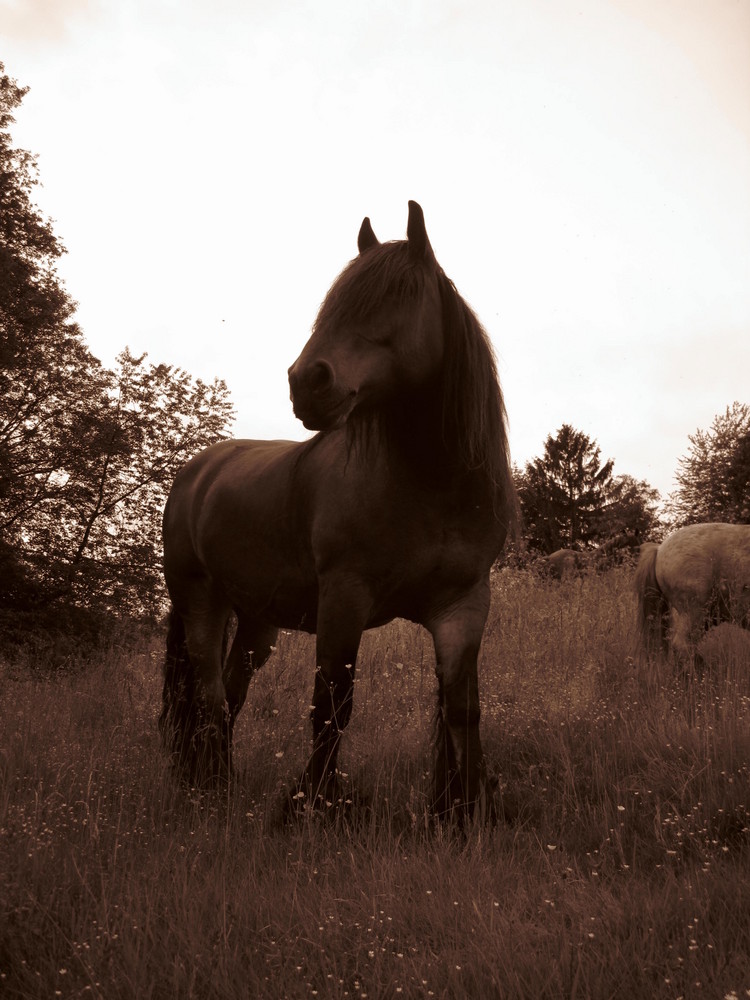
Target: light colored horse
{"points": [[697, 578]]}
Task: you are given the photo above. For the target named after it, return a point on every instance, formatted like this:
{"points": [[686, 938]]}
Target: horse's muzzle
{"points": [[316, 400]]}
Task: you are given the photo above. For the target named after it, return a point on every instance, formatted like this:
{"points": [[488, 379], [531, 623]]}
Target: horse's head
{"points": [[378, 332]]}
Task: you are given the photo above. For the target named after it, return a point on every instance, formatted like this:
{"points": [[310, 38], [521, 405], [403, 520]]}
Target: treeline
{"points": [[87, 453], [570, 498]]}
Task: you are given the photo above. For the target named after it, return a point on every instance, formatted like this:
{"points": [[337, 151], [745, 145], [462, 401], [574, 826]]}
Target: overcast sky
{"points": [[584, 169]]}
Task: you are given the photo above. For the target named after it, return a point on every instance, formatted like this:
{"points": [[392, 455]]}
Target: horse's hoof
{"points": [[333, 803], [483, 811]]}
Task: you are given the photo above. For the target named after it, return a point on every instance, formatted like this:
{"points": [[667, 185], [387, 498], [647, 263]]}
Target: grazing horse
{"points": [[398, 506], [565, 563], [697, 578]]}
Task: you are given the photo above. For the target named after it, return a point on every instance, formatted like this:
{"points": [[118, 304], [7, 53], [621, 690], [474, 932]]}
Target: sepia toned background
{"points": [[584, 168]]}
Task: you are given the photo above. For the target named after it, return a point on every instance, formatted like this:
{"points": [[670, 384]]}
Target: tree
{"points": [[33, 305], [86, 453], [630, 516], [714, 477], [569, 499], [95, 539], [563, 494], [155, 419], [48, 378], [738, 480]]}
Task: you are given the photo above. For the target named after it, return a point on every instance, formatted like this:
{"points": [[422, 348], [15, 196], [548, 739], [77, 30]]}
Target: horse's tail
{"points": [[177, 720], [653, 607]]}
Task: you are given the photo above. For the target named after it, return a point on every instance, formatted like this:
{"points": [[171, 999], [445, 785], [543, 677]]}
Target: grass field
{"points": [[620, 868]]}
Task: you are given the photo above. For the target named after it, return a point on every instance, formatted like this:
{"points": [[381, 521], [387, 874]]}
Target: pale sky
{"points": [[584, 169]]}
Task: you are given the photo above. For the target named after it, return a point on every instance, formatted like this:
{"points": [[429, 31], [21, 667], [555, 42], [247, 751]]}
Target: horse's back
{"points": [[222, 480], [696, 561], [231, 526]]}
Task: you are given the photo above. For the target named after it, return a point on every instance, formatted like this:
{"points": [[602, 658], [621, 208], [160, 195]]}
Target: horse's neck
{"points": [[409, 438]]}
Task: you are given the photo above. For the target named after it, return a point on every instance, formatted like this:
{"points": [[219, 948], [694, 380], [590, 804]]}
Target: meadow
{"points": [[619, 865]]}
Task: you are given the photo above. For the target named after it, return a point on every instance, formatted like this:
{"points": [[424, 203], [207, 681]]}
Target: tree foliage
{"points": [[570, 499], [45, 368], [87, 453], [714, 477], [738, 480], [631, 515], [563, 492], [99, 532]]}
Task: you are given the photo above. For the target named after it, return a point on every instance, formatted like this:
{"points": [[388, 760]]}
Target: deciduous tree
{"points": [[714, 476], [153, 418], [48, 378], [86, 453]]}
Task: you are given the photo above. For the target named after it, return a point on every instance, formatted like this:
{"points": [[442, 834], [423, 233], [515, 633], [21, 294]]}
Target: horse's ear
{"points": [[367, 237], [419, 245]]}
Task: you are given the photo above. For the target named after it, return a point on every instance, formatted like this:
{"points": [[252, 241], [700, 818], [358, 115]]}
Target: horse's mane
{"points": [[473, 411]]}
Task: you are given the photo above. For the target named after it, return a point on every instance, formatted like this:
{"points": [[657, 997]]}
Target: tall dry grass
{"points": [[620, 868]]}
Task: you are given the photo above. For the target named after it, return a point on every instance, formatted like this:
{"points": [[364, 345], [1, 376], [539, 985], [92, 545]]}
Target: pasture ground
{"points": [[621, 867]]}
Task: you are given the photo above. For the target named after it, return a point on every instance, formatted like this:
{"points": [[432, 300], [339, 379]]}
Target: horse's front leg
{"points": [[460, 778], [252, 646], [342, 615]]}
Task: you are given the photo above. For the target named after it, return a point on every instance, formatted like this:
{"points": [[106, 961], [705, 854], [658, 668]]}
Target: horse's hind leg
{"points": [[178, 720], [250, 649], [687, 635], [194, 689], [460, 779]]}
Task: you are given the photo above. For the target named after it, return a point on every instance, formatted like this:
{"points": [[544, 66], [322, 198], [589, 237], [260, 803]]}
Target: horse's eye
{"points": [[379, 338]]}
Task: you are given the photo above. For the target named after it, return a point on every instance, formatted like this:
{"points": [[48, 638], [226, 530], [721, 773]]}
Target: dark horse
{"points": [[397, 507], [697, 578]]}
